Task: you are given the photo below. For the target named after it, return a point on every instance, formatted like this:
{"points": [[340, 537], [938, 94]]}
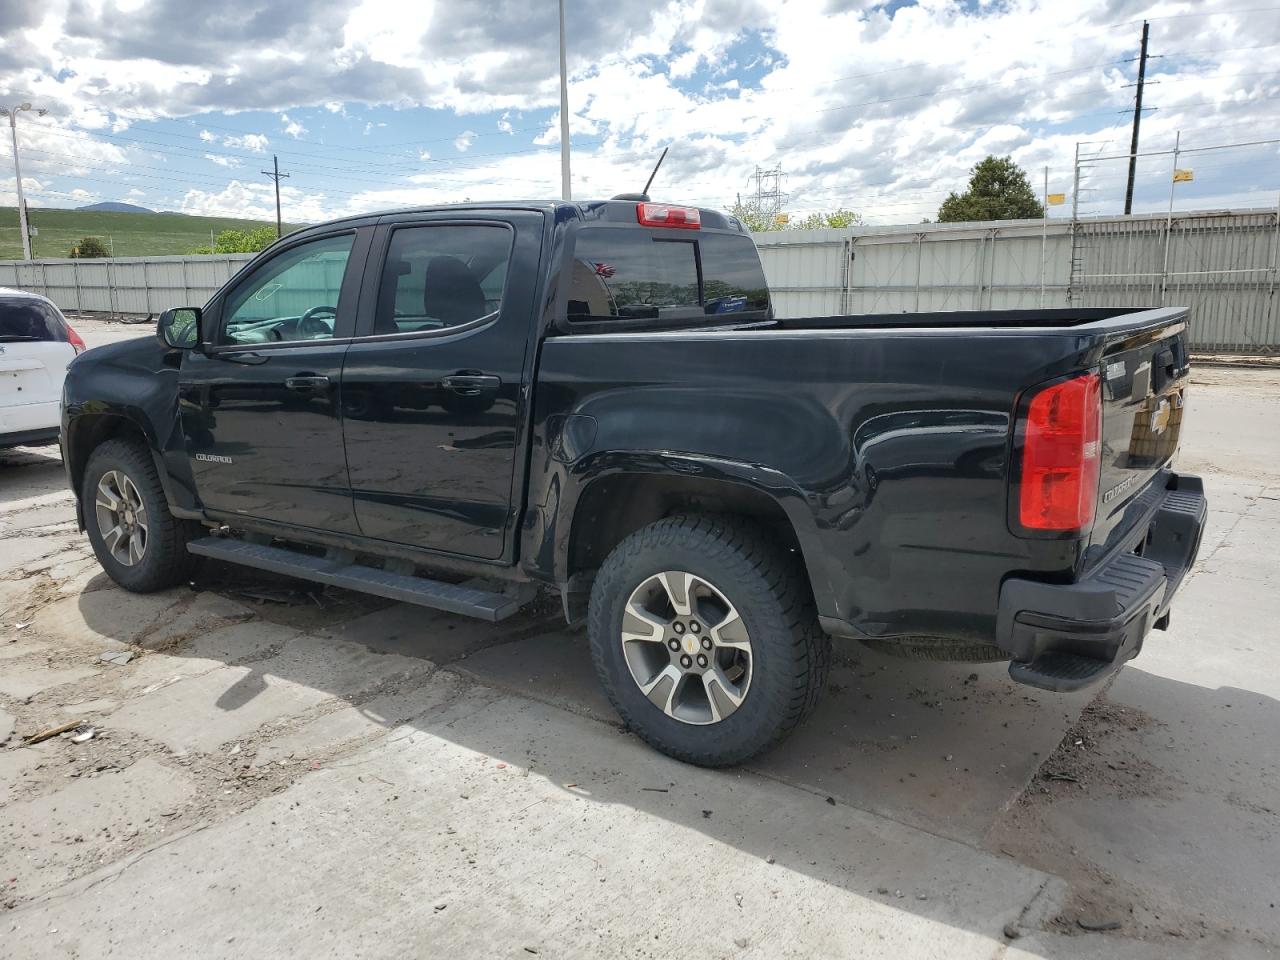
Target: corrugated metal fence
{"points": [[1222, 265], [124, 284]]}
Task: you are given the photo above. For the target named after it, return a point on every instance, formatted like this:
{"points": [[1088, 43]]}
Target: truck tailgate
{"points": [[1144, 377]]}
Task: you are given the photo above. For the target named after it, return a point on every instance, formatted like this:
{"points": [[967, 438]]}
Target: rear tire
{"points": [[154, 556], [769, 659]]}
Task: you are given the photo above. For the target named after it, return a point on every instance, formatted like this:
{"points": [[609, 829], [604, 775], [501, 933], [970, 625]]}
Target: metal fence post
{"points": [[919, 265], [1270, 337], [1168, 226]]}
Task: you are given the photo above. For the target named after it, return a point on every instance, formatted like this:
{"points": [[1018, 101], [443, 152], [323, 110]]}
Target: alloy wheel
{"points": [[122, 518], [686, 647]]}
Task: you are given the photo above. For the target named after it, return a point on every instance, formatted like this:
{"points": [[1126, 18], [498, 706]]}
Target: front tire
{"points": [[138, 542], [705, 638]]}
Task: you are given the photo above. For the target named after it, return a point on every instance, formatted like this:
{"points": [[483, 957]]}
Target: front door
{"points": [[261, 403], [433, 390]]}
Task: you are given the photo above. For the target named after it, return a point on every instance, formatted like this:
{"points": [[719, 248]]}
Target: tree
{"points": [[758, 222], [998, 190], [753, 218], [832, 219], [89, 248], [241, 241]]}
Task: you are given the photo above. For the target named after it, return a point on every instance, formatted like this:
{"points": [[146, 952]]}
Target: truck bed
{"points": [[890, 440]]}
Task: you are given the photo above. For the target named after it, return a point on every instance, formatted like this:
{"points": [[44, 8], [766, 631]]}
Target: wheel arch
{"points": [[613, 505], [88, 431]]}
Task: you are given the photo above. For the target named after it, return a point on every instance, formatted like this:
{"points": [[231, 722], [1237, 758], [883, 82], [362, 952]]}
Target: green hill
{"points": [[128, 234]]}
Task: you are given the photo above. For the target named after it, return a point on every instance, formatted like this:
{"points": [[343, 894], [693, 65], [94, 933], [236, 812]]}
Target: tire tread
{"points": [[735, 543]]}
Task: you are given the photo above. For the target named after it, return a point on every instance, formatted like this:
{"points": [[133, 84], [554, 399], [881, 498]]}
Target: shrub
{"points": [[89, 248]]}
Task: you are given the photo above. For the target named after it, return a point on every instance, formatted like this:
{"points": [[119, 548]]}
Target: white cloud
{"points": [[135, 192], [424, 154], [879, 107], [253, 142], [222, 161], [292, 127], [255, 201]]}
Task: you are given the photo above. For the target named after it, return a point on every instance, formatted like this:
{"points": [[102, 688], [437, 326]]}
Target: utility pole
{"points": [[1137, 119], [12, 114], [275, 174], [566, 191], [1075, 187]]}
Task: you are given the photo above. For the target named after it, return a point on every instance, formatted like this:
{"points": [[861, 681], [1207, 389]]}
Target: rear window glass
{"points": [[631, 274], [25, 320]]}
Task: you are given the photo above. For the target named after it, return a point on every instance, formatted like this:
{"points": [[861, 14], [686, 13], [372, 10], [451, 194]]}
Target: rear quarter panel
{"points": [[888, 450]]}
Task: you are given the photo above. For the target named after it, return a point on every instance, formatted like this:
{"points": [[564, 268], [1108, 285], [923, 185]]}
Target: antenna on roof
{"points": [[643, 197], [649, 182]]}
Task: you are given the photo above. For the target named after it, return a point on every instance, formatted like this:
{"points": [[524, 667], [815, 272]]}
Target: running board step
{"points": [[1060, 672], [454, 598]]}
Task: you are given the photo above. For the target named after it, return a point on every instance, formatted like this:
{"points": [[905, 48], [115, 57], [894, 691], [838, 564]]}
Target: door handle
{"points": [[471, 384], [307, 383]]}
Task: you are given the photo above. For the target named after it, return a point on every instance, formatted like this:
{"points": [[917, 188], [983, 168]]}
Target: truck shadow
{"points": [[956, 750]]}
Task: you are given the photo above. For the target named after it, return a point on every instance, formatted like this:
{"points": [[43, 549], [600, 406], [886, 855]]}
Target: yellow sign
{"points": [[1183, 176], [1056, 199], [782, 218]]}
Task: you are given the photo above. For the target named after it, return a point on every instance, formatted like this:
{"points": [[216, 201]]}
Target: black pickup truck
{"points": [[453, 406]]}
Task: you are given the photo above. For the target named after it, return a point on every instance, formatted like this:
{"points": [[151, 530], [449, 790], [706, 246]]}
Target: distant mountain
{"points": [[115, 206]]}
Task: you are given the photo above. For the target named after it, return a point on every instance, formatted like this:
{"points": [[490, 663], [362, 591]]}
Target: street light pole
{"points": [[12, 114], [566, 192]]}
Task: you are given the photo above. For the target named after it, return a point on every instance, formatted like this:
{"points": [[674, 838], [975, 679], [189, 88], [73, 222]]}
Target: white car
{"points": [[36, 344]]}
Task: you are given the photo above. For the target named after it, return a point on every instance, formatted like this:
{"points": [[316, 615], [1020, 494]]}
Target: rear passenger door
{"points": [[434, 383]]}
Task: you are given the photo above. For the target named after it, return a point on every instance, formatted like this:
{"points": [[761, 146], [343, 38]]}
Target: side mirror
{"points": [[179, 328]]}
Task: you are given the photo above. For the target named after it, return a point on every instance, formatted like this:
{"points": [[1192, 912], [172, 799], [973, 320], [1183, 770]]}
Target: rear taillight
{"points": [[73, 338], [1061, 456], [665, 215]]}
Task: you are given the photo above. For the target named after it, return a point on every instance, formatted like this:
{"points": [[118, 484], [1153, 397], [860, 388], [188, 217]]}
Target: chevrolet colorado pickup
{"points": [[453, 406]]}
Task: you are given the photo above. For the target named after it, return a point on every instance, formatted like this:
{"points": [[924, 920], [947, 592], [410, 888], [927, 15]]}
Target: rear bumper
{"points": [[1067, 636], [29, 422]]}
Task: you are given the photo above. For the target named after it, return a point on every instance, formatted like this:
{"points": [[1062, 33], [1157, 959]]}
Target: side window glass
{"points": [[293, 296], [442, 276]]}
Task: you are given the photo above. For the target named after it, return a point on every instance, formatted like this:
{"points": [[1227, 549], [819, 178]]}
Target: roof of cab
{"points": [[584, 210]]}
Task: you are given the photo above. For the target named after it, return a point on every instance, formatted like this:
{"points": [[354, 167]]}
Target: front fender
{"points": [[127, 389]]}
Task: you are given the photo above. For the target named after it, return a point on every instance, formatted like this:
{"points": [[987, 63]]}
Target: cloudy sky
{"points": [[878, 107]]}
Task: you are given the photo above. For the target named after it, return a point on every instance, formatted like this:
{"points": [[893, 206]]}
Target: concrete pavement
{"points": [[287, 771]]}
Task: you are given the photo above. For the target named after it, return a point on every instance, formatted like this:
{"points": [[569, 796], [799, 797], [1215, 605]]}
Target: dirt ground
{"points": [[260, 766]]}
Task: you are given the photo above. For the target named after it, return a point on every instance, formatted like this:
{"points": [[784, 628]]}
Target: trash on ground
{"points": [[1097, 925], [52, 732], [84, 735], [118, 657]]}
